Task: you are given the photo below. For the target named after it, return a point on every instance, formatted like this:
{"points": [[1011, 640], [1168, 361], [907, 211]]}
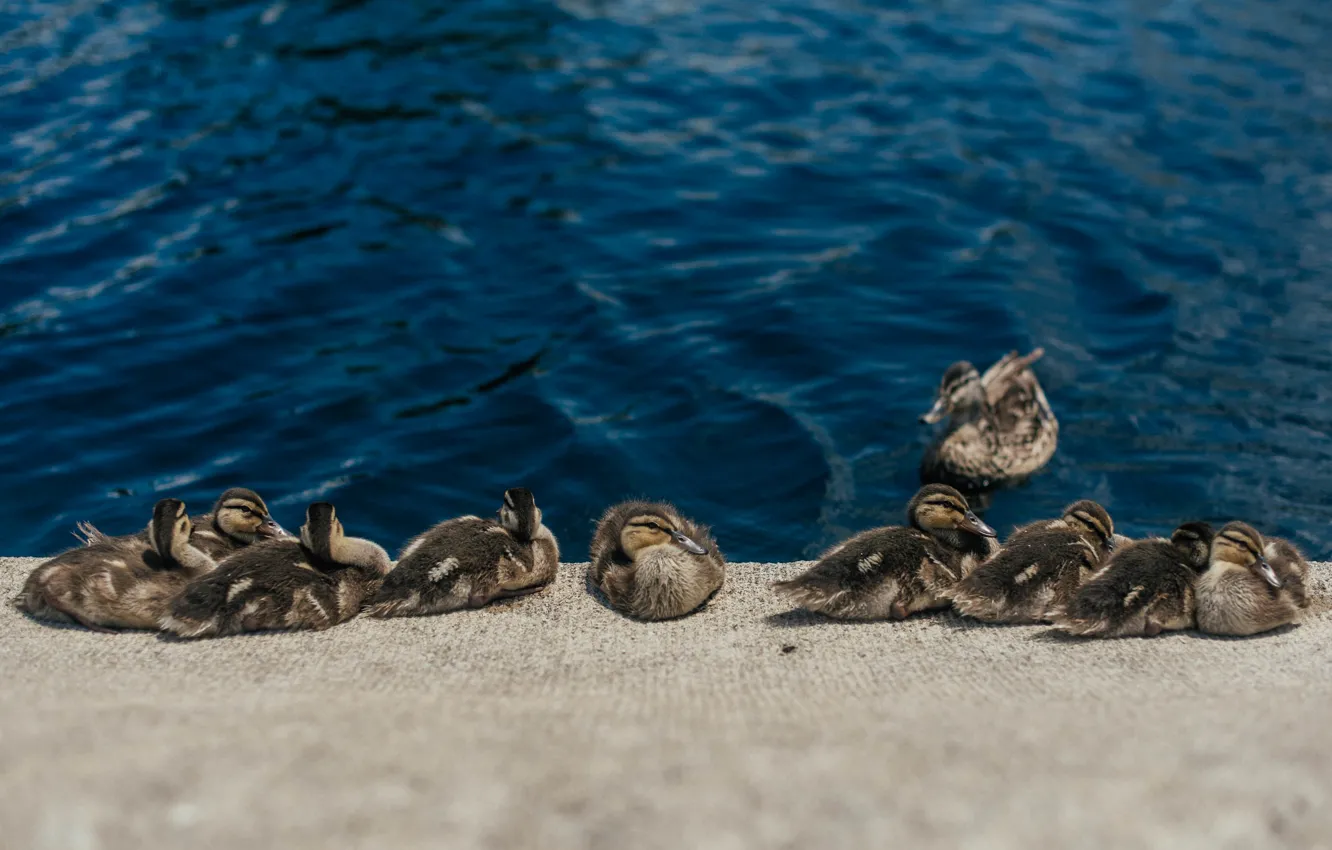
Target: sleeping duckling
{"points": [[1041, 566], [1001, 428], [315, 582], [119, 582], [1251, 585], [897, 571], [239, 518], [470, 562], [653, 563], [1143, 589]]}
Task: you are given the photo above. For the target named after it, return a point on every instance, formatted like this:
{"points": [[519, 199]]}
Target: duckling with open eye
{"points": [[315, 582], [653, 563], [1144, 588], [119, 582], [469, 562], [896, 571], [1001, 428], [1252, 584], [1040, 567]]}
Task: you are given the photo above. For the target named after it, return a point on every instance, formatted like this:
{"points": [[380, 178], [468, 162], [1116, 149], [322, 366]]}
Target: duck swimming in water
{"points": [[1001, 428]]}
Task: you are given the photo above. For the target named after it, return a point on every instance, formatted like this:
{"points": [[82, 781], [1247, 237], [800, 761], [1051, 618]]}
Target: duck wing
{"points": [[1025, 578]]}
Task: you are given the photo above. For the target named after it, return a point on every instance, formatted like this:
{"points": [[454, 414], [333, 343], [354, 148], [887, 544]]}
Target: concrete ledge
{"points": [[554, 722]]}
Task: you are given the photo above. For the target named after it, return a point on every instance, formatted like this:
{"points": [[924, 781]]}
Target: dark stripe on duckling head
{"points": [[1194, 531], [1243, 537], [941, 502], [1094, 518], [957, 374], [939, 495], [1195, 540], [241, 495]]}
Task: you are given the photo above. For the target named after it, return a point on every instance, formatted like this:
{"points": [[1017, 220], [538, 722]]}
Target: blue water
{"points": [[402, 255]]}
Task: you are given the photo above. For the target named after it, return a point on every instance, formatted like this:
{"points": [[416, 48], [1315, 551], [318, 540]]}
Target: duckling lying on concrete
{"points": [[896, 571], [653, 563], [1144, 588], [128, 582], [469, 562], [1252, 584], [239, 518], [1040, 567], [315, 582]]}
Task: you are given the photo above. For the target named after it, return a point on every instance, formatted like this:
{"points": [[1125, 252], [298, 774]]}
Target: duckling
{"points": [[1041, 566], [1252, 584], [239, 518], [1001, 428], [653, 563], [897, 571], [119, 582], [469, 562], [315, 582], [1144, 588]]}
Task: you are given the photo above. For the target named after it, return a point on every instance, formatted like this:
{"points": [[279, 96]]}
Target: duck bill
{"points": [[271, 530], [687, 544], [935, 413], [1110, 543], [973, 524], [1269, 574]]}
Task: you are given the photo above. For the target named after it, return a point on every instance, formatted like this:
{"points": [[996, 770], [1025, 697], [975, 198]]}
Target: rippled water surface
{"points": [[401, 255]]}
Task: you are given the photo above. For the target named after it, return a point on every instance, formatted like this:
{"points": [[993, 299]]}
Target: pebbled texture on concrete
{"points": [[553, 722]]}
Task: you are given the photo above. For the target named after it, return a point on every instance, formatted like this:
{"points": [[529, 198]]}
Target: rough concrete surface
{"points": [[554, 722]]}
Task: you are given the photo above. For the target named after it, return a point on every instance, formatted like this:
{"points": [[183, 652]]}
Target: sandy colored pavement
{"points": [[553, 722]]}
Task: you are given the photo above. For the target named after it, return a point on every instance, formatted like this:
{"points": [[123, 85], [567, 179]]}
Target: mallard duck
{"points": [[1144, 588], [897, 571], [1041, 566], [119, 582], [1252, 584], [469, 562], [239, 517], [315, 582], [1001, 428], [653, 563]]}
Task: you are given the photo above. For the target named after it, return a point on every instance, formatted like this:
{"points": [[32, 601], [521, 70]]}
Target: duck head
{"points": [[1194, 539], [242, 515], [959, 391], [1089, 517], [1241, 545], [647, 530], [939, 508]]}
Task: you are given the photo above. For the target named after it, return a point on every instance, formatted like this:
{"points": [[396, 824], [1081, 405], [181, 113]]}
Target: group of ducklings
{"points": [[236, 570], [1073, 572]]}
